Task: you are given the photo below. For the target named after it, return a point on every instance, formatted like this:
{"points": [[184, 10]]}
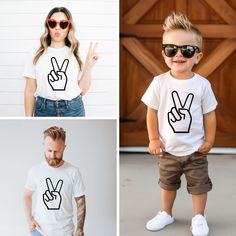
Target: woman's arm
{"points": [[91, 59], [29, 99]]}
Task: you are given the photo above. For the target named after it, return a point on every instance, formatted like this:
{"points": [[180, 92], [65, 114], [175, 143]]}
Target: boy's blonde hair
{"points": [[179, 21]]}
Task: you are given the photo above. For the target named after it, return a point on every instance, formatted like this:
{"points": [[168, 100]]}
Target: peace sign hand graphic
{"points": [[179, 117], [57, 77], [52, 197]]}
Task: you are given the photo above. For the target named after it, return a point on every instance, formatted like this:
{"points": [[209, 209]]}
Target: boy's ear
{"points": [[199, 57], [163, 54]]}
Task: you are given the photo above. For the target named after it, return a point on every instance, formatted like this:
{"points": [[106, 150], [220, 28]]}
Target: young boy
{"points": [[181, 123]]}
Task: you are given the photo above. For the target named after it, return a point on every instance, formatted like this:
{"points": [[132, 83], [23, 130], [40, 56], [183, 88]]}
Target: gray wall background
{"points": [[91, 145]]}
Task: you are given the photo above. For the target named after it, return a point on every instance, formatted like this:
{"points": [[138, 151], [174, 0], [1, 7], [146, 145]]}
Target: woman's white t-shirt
{"points": [[180, 105], [54, 191], [56, 73]]}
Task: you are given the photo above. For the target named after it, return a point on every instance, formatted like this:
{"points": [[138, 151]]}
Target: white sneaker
{"points": [[199, 226], [161, 220]]}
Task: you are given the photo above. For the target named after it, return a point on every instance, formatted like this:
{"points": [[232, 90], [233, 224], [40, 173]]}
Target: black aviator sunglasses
{"points": [[187, 51]]}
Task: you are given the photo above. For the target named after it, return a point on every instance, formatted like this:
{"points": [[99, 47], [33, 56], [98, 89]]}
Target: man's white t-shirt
{"points": [[180, 105], [56, 73], [55, 190]]}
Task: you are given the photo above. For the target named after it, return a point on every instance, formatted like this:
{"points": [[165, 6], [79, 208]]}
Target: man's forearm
{"points": [[28, 207], [81, 212]]}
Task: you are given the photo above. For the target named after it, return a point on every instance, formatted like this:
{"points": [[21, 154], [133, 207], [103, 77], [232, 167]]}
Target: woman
{"points": [[54, 86]]}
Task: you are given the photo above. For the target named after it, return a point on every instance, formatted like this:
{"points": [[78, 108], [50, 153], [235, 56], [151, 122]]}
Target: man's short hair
{"points": [[56, 133]]}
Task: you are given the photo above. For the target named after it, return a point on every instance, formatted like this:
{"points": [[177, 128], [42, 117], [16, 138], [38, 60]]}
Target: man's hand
{"points": [[78, 233], [205, 147], [33, 224], [155, 147]]}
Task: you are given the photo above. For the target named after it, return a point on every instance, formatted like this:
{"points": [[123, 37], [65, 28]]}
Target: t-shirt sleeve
{"points": [[78, 185], [151, 96], [30, 183], [29, 68], [209, 102]]}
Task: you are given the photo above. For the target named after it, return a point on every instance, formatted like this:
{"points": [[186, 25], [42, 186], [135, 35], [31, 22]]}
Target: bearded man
{"points": [[54, 184]]}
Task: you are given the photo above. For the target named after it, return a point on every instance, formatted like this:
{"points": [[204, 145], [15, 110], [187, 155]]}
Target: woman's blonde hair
{"points": [[70, 40], [179, 21]]}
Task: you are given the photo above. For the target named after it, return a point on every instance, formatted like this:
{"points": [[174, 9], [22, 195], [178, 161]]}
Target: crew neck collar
{"points": [[57, 49], [181, 80]]}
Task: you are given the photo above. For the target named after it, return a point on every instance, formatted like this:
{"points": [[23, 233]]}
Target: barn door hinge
{"points": [[125, 35], [127, 119]]}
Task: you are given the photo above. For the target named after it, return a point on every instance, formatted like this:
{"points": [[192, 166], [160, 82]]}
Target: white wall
{"points": [[91, 145], [21, 25]]}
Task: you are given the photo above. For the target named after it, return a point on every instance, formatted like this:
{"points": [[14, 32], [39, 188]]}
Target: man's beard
{"points": [[53, 162]]}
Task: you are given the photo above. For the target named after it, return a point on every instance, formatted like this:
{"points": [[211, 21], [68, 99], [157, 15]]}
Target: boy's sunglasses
{"points": [[63, 23], [187, 51]]}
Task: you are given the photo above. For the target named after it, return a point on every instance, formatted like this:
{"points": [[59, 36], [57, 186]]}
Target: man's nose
{"points": [[52, 154]]}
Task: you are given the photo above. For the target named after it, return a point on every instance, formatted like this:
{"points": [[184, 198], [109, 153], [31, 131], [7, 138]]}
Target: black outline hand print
{"points": [[57, 77], [179, 117], [52, 196]]}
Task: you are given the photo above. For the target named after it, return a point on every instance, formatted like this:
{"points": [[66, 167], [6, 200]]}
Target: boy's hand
{"points": [[155, 147], [205, 148]]}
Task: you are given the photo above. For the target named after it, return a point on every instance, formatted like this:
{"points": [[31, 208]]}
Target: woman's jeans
{"points": [[47, 107]]}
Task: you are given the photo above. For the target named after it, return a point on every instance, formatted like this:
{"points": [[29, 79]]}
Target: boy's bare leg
{"points": [[168, 198], [199, 203]]}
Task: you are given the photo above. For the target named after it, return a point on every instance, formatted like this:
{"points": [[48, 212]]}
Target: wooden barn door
{"points": [[140, 60]]}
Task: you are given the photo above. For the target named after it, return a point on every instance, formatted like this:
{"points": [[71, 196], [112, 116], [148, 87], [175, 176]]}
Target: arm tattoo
{"points": [[81, 212]]}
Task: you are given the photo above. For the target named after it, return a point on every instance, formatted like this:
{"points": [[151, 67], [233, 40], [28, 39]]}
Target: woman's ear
{"points": [[199, 57]]}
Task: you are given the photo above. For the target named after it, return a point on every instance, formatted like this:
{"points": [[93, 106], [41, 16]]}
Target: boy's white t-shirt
{"points": [[55, 215], [56, 73], [180, 105]]}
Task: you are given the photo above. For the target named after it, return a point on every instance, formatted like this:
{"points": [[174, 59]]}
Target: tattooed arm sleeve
{"points": [[81, 212]]}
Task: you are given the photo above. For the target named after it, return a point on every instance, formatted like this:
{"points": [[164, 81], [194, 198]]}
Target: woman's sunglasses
{"points": [[63, 23], [187, 51]]}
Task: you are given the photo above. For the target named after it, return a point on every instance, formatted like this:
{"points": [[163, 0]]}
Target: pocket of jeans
{"points": [[76, 104], [199, 160], [39, 104]]}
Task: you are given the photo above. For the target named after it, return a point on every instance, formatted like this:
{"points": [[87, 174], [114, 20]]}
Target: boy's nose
{"points": [[178, 52]]}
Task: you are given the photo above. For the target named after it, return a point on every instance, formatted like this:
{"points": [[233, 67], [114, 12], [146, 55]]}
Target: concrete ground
{"points": [[140, 197]]}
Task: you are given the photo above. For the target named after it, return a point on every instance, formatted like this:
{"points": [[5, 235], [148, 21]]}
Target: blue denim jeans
{"points": [[47, 107], [35, 233]]}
